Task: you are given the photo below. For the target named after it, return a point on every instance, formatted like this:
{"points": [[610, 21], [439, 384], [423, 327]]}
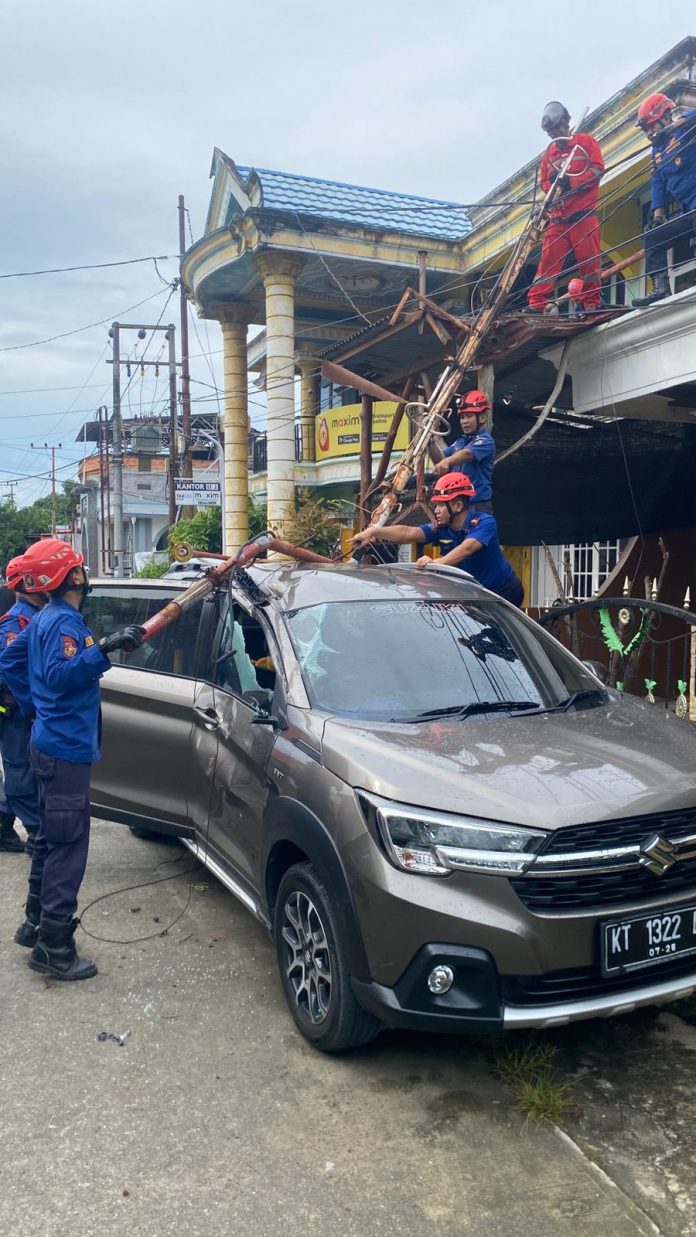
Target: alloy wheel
{"points": [[307, 958]]}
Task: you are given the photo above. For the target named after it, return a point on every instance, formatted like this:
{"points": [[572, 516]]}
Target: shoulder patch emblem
{"points": [[11, 635], [69, 646], [89, 641]]}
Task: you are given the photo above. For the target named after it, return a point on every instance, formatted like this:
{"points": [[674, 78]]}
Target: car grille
{"points": [[627, 832], [599, 885], [586, 982]]}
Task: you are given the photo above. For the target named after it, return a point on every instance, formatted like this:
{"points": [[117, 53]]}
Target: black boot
{"points": [[55, 954], [29, 844], [661, 289], [28, 931], [9, 840]]}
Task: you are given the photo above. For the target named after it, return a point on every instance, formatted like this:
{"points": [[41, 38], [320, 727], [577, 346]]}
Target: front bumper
{"points": [[481, 1001]]}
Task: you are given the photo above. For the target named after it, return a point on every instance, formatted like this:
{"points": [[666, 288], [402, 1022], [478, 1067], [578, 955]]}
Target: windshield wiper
{"points": [[579, 697], [476, 706]]}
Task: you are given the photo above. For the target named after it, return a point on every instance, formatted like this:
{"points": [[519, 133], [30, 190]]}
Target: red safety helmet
{"points": [[452, 486], [653, 109], [50, 563], [21, 563], [473, 401], [14, 571]]}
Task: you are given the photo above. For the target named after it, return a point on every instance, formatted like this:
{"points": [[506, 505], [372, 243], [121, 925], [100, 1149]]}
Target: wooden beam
{"points": [[365, 457], [443, 335], [346, 378]]}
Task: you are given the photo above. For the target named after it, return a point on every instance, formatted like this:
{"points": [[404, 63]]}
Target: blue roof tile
{"points": [[376, 208]]}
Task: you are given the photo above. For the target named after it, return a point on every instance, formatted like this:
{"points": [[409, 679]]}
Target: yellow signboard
{"points": [[338, 430]]}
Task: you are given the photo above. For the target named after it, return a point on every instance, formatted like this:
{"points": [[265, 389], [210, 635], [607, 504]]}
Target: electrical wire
{"points": [[92, 266], [160, 880], [36, 343]]}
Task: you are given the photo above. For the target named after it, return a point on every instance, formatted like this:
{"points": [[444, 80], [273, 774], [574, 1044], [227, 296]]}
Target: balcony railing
{"points": [[258, 453]]}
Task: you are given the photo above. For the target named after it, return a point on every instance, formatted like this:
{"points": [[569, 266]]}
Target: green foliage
{"points": [[20, 525], [204, 530], [152, 571], [257, 518], [315, 523], [531, 1074]]}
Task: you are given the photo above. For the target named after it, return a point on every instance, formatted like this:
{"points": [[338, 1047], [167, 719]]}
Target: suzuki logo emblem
{"points": [[657, 854]]}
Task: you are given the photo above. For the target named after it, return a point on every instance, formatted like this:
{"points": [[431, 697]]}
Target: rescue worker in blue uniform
{"points": [[65, 666], [474, 451], [21, 790], [672, 132], [467, 538]]}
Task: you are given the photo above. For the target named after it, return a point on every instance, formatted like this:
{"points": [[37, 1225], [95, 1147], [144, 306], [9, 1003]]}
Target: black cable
{"points": [[142, 885], [35, 343], [93, 266]]}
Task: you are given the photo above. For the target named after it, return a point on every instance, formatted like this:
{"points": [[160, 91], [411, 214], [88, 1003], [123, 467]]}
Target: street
{"points": [[215, 1117]]}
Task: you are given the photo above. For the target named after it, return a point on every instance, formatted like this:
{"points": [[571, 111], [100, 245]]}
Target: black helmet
{"points": [[554, 114]]}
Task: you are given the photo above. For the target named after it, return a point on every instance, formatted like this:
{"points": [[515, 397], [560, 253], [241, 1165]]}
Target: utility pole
{"points": [[186, 459], [172, 426], [54, 497], [10, 497], [117, 450]]}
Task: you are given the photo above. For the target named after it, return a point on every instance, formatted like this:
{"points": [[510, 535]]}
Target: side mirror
{"points": [[598, 670]]}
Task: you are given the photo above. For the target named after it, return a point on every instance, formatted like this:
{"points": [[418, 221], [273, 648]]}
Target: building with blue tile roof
{"points": [[310, 260]]}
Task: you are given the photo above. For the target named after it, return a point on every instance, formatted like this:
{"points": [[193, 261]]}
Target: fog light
{"points": [[440, 979]]}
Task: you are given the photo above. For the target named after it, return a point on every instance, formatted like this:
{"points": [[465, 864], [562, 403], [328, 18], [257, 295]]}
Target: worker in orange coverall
{"points": [[574, 223]]}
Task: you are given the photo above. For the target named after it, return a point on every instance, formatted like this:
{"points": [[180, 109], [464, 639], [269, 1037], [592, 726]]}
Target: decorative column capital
{"points": [[306, 361], [230, 313], [274, 264]]}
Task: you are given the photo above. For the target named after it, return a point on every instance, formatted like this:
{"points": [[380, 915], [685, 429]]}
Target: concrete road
{"points": [[216, 1118]]}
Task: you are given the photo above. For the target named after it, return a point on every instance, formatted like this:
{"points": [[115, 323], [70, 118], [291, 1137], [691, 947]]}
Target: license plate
{"points": [[646, 939]]}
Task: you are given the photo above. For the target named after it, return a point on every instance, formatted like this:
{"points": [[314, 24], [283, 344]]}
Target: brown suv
{"points": [[444, 819]]}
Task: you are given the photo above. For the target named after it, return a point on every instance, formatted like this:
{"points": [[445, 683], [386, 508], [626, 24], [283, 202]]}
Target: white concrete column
{"points": [[309, 403], [279, 273], [234, 320]]}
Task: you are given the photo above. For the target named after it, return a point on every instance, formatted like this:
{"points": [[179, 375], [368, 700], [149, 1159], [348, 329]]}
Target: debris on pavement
{"points": [[103, 1036]]}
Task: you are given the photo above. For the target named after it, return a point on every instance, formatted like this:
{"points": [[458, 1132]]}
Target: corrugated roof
{"points": [[376, 208]]}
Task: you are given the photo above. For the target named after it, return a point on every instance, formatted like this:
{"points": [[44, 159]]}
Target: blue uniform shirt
{"points": [[480, 469], [674, 165], [65, 666], [488, 565], [14, 666]]}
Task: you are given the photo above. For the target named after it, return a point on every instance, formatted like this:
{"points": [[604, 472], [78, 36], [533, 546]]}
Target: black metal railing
{"points": [[640, 646], [258, 451]]}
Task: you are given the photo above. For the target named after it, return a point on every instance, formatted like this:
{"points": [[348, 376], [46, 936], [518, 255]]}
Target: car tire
{"points": [[151, 835], [314, 966]]}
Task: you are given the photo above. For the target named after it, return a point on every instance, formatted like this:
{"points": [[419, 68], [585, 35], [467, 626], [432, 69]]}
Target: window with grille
{"points": [[589, 563]]}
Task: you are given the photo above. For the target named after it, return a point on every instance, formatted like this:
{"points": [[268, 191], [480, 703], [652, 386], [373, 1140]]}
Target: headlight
{"points": [[437, 843]]}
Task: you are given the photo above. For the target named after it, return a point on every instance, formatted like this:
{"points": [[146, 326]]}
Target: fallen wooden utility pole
{"points": [[215, 576], [432, 412]]}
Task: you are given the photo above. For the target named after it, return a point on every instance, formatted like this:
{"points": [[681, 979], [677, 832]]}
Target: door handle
{"points": [[210, 719]]}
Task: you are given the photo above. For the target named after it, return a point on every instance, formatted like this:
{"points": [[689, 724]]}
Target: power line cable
{"points": [[35, 343], [91, 266]]}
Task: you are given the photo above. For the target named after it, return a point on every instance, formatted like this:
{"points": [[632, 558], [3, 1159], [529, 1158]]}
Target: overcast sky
{"points": [[110, 111]]}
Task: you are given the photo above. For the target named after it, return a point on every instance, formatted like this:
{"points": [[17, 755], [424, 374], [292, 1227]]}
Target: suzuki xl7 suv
{"points": [[442, 817]]}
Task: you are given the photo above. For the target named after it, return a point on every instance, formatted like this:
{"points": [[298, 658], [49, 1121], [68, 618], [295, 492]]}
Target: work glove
{"points": [[655, 222], [128, 638], [562, 182]]}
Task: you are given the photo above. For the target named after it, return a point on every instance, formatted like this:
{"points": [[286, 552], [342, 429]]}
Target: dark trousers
{"points": [[512, 590], [60, 850], [658, 240], [21, 790]]}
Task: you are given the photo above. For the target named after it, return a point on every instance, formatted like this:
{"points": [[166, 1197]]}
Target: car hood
{"points": [[624, 759]]}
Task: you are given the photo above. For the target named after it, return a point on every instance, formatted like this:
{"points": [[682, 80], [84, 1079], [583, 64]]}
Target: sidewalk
{"points": [[216, 1118]]}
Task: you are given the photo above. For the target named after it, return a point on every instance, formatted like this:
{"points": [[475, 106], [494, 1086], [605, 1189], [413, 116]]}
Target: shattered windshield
{"points": [[414, 660]]}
